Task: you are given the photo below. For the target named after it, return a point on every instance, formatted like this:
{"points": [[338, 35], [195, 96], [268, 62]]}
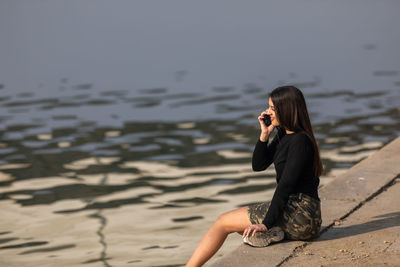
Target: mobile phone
{"points": [[267, 120]]}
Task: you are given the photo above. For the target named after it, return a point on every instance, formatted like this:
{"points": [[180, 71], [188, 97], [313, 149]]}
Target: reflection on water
{"points": [[111, 173]]}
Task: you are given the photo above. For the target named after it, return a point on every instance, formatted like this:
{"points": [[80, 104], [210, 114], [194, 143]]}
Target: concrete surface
{"points": [[361, 221], [368, 237]]}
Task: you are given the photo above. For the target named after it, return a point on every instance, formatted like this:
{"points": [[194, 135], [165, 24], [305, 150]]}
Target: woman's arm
{"points": [[263, 154], [300, 152]]}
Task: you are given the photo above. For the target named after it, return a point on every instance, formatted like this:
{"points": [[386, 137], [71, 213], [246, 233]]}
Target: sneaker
{"points": [[263, 239]]}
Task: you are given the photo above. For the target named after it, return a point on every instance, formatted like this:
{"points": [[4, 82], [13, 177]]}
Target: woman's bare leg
{"points": [[232, 221]]}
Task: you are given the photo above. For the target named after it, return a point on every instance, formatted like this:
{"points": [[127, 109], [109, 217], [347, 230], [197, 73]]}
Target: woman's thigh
{"points": [[235, 220]]}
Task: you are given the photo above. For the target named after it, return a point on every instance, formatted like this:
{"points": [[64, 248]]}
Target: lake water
{"points": [[127, 127]]}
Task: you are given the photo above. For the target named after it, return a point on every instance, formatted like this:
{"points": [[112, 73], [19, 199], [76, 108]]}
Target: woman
{"points": [[294, 212]]}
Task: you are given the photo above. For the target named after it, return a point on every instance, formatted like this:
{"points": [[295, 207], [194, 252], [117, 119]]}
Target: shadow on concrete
{"points": [[336, 232]]}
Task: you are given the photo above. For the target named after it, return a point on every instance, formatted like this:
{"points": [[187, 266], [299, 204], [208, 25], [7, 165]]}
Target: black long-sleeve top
{"points": [[292, 155]]}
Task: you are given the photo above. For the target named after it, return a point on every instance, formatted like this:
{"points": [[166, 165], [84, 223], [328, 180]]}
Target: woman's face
{"points": [[271, 112]]}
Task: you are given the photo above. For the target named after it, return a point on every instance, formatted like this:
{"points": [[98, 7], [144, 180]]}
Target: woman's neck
{"points": [[289, 132]]}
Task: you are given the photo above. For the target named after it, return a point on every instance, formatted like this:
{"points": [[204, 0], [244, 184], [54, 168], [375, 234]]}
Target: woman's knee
{"points": [[221, 223], [221, 219], [233, 221]]}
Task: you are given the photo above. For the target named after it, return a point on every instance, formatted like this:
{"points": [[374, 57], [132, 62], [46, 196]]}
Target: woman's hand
{"points": [[265, 130], [252, 229]]}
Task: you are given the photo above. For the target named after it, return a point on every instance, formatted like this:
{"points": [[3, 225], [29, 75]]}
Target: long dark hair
{"points": [[291, 110]]}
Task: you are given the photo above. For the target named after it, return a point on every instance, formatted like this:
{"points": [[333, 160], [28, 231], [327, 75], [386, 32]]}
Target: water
{"points": [[127, 127]]}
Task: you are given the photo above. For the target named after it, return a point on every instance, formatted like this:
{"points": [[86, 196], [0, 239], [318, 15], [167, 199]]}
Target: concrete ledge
{"points": [[338, 199]]}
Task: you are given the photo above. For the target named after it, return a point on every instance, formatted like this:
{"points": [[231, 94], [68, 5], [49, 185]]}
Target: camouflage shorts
{"points": [[301, 218]]}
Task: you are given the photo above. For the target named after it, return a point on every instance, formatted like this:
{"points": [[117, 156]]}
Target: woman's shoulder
{"points": [[300, 138]]}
